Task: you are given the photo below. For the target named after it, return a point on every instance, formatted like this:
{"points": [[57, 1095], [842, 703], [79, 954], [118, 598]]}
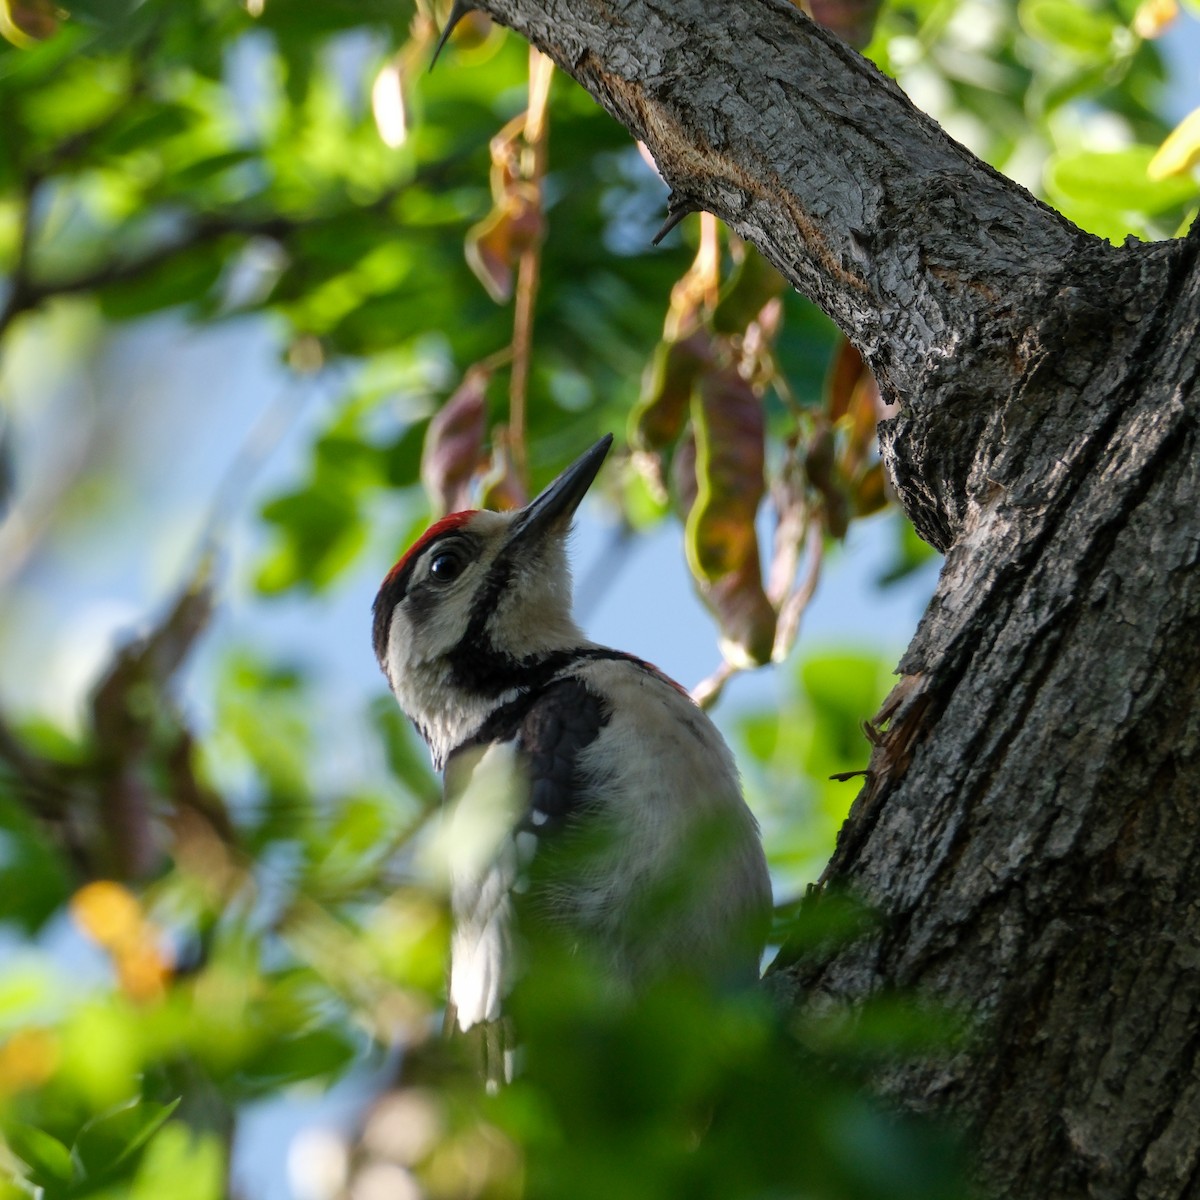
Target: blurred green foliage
{"points": [[272, 929]]}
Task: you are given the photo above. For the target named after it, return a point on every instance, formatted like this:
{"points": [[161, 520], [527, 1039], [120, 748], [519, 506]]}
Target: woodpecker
{"points": [[586, 793]]}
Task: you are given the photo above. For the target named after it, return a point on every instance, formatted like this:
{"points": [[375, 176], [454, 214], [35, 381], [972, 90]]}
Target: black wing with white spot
{"points": [[565, 719], [543, 734], [550, 727]]}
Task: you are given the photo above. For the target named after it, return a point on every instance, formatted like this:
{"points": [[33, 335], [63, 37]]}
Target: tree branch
{"points": [[805, 149], [1029, 833], [26, 294]]}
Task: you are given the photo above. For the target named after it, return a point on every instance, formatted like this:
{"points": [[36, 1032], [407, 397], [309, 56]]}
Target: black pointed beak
{"points": [[554, 508]]}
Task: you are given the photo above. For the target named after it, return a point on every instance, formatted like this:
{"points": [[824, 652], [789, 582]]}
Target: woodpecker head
{"points": [[479, 607]]}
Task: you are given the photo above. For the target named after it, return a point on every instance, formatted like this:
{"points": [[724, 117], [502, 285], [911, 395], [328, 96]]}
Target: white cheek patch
{"points": [[396, 665]]}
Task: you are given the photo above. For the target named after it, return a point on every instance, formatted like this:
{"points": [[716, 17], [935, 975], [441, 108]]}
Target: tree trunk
{"points": [[1030, 828]]}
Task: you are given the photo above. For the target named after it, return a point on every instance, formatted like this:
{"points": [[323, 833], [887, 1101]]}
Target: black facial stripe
{"points": [[477, 666], [386, 600]]}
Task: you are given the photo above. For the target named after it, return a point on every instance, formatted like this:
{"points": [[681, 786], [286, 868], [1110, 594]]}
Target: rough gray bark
{"points": [[1030, 828]]}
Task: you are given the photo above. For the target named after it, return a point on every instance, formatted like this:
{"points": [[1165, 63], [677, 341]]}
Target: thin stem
{"points": [[708, 691], [541, 71], [794, 607]]}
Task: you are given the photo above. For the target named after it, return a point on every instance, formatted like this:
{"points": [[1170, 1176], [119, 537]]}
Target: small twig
{"points": [[679, 205], [541, 71], [793, 608], [708, 691], [457, 12], [208, 228]]}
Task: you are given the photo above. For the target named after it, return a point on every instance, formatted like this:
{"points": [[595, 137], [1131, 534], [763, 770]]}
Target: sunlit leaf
{"points": [[1153, 17], [657, 419], [1117, 179], [28, 1059], [1180, 152], [1084, 33], [728, 423], [116, 1136], [48, 1160], [181, 1164]]}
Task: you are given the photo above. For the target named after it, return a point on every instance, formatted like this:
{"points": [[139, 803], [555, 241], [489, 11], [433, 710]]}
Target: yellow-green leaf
{"points": [[1180, 152]]}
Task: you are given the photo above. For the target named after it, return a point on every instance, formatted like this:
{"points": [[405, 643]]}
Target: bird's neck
{"points": [[451, 700]]}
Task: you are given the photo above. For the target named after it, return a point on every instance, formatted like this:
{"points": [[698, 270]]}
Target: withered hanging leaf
{"points": [[870, 492], [753, 283], [727, 419], [23, 22], [852, 20], [821, 467], [494, 246], [658, 418], [844, 373], [8, 472], [453, 450], [838, 456], [758, 362], [683, 475], [860, 425], [789, 499], [502, 489], [744, 613]]}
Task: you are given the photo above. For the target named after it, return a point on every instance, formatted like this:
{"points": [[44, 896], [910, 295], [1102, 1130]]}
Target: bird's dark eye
{"points": [[446, 567]]}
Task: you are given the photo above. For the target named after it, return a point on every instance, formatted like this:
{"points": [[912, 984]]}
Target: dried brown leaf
{"points": [[453, 451]]}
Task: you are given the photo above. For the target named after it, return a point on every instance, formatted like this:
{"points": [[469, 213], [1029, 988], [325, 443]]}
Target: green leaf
{"points": [[845, 690], [115, 1137], [319, 1054], [1116, 179], [48, 1160], [407, 756], [176, 277], [181, 1165], [402, 456], [321, 531], [752, 284], [34, 879], [1071, 27], [145, 126]]}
